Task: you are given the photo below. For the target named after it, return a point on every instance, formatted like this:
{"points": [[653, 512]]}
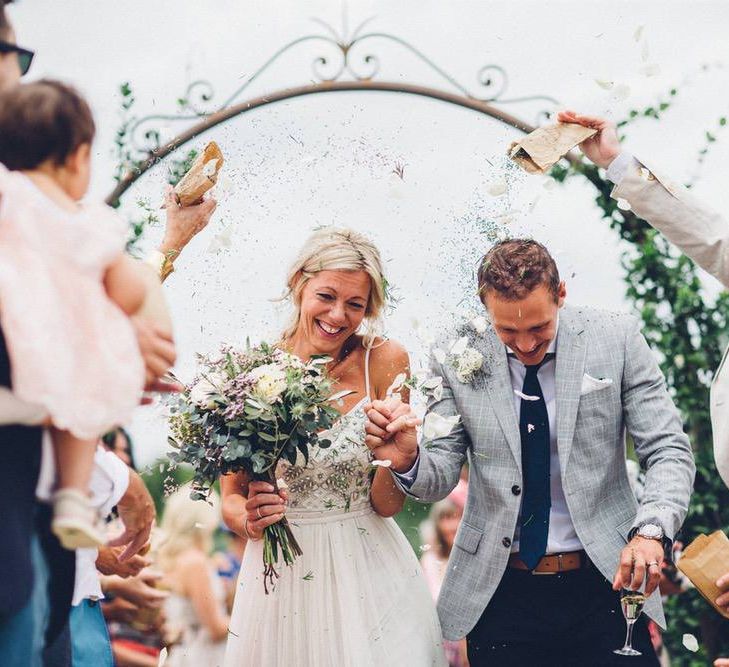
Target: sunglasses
{"points": [[25, 57]]}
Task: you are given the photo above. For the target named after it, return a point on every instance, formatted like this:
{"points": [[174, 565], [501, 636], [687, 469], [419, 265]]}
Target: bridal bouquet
{"points": [[245, 411]]}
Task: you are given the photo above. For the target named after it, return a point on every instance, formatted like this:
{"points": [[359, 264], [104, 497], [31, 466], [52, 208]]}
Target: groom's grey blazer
{"points": [[592, 420]]}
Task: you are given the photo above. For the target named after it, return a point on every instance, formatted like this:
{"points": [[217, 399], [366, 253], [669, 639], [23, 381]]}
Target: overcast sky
{"points": [[328, 159]]}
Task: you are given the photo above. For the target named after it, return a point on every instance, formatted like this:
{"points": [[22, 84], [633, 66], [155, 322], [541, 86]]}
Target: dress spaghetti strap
{"points": [[367, 372]]}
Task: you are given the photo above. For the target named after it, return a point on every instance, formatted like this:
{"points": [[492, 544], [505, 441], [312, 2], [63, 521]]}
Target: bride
{"points": [[356, 596]]}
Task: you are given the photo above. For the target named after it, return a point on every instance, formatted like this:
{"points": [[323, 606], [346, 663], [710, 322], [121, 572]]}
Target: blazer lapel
{"points": [[501, 395], [569, 371]]}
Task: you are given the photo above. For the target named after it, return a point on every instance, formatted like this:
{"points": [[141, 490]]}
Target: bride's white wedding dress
{"points": [[356, 597]]}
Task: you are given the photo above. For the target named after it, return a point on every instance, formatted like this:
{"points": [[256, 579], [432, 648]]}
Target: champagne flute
{"points": [[631, 603]]}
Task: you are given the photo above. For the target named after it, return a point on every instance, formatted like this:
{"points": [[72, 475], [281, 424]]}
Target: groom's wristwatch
{"points": [[651, 531]]}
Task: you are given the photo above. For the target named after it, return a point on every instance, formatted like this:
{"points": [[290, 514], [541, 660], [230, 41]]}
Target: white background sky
{"points": [[328, 159]]}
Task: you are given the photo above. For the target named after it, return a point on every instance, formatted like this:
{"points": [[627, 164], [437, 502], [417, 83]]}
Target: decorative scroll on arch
{"points": [[347, 65]]}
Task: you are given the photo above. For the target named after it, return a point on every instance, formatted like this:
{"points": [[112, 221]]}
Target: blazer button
{"points": [[506, 542], [516, 490]]}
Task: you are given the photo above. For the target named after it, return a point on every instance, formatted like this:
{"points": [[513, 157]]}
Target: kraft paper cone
{"points": [[703, 562], [541, 149], [154, 309], [203, 174]]}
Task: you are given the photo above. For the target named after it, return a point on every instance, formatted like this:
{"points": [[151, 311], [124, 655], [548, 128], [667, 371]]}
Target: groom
{"points": [[551, 529]]}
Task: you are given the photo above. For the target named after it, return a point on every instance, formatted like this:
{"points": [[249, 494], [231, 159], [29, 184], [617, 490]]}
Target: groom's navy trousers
{"points": [[569, 619]]}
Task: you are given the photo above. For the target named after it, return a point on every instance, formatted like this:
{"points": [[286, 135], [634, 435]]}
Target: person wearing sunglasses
{"points": [[15, 61]]}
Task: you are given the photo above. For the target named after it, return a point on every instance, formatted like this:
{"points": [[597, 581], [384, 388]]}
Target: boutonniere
{"points": [[463, 355]]}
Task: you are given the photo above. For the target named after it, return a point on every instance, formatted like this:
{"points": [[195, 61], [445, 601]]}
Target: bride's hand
{"points": [[264, 507], [391, 433]]}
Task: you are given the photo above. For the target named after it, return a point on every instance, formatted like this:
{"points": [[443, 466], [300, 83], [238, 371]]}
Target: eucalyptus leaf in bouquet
{"points": [[244, 412]]}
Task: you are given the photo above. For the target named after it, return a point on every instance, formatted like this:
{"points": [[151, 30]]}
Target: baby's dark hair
{"points": [[42, 121]]}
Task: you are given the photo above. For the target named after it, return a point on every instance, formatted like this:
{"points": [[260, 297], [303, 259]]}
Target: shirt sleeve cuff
{"points": [[619, 167], [407, 478]]}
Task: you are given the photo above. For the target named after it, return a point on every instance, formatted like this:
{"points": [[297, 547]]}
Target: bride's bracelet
{"points": [[248, 535]]}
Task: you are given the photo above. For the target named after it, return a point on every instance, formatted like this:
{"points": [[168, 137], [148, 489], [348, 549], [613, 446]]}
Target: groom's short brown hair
{"points": [[515, 267]]}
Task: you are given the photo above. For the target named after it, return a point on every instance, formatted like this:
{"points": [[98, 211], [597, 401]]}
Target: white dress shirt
{"points": [[109, 482]]}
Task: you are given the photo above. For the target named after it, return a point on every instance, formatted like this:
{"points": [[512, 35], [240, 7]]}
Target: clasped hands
{"points": [[391, 433]]}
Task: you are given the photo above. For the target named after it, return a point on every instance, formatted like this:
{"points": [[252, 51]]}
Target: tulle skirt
{"points": [[355, 598]]}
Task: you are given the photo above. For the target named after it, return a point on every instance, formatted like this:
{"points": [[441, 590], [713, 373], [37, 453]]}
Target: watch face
{"points": [[651, 531]]}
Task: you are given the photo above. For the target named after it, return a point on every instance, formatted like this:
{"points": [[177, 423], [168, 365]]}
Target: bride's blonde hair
{"points": [[338, 249]]}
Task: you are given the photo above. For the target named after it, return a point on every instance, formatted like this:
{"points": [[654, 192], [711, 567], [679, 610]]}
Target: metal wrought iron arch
{"points": [[492, 80]]}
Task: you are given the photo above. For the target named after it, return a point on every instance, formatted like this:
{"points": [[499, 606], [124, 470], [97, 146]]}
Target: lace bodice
{"points": [[337, 478]]}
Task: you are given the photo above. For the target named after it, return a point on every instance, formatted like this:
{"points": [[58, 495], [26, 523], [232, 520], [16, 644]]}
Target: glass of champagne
{"points": [[631, 603]]}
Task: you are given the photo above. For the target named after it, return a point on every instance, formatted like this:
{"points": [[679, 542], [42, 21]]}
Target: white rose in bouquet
{"points": [[202, 392], [270, 382]]}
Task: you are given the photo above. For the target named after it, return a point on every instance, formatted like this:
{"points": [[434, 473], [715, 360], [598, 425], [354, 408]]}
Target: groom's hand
{"points": [[641, 560], [391, 433], [601, 148]]}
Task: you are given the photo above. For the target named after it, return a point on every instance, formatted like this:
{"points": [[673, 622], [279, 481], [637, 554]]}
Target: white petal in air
{"points": [[210, 168], [385, 463], [222, 240], [436, 426], [480, 324], [525, 397], [397, 383], [621, 92], [497, 187], [645, 52], [530, 428], [162, 656], [650, 70], [638, 33], [690, 642], [459, 346], [623, 204], [605, 85]]}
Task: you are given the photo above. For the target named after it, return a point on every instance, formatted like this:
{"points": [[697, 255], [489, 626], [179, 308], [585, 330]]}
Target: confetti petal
{"points": [[497, 187], [638, 33], [605, 85], [162, 656], [621, 92], [645, 52], [650, 70], [436, 426], [525, 397], [385, 463], [459, 346], [690, 642], [211, 166], [480, 324]]}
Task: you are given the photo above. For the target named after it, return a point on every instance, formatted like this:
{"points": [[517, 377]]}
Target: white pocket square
{"points": [[590, 384]]}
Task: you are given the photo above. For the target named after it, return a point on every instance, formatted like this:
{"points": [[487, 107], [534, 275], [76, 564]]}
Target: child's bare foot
{"points": [[75, 521]]}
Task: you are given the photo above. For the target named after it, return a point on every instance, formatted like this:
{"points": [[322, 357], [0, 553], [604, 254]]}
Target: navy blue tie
{"points": [[535, 461]]}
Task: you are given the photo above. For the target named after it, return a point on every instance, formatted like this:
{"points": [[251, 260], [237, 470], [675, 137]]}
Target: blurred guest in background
{"points": [[197, 595]]}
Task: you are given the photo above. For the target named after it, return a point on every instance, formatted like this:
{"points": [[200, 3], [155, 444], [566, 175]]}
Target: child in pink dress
{"points": [[66, 291]]}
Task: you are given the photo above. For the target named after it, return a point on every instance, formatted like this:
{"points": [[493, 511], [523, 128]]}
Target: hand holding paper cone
{"points": [[541, 149], [201, 177], [705, 561]]}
